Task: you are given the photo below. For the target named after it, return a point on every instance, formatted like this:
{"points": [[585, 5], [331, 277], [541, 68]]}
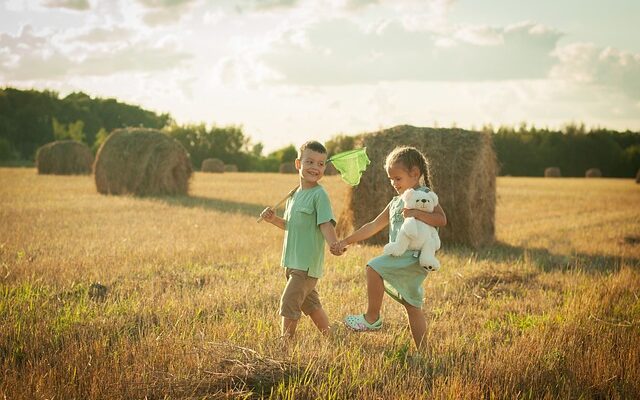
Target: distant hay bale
{"points": [[230, 168], [64, 157], [593, 173], [462, 167], [142, 162], [552, 172], [638, 176], [288, 168], [212, 165]]}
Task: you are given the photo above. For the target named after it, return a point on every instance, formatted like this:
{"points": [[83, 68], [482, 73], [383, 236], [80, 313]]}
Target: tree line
{"points": [[527, 151], [31, 118]]}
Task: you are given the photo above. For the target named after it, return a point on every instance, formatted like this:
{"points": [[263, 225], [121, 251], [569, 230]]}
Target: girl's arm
{"points": [[369, 229], [437, 218]]}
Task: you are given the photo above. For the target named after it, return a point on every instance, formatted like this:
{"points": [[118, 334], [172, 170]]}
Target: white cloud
{"points": [[338, 51], [21, 5], [173, 4], [141, 57], [33, 55], [358, 4], [589, 64], [77, 5], [267, 4], [480, 35], [161, 12], [30, 56], [103, 35]]}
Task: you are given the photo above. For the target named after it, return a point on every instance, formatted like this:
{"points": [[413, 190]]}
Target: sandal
{"points": [[360, 324]]}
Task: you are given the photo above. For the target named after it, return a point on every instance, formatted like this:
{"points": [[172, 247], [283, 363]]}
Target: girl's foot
{"points": [[360, 324]]}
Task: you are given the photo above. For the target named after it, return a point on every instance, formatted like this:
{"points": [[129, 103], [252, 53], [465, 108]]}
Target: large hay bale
{"points": [[64, 157], [230, 168], [552, 172], [142, 162], [593, 173], [212, 165], [462, 168], [288, 168], [330, 170]]}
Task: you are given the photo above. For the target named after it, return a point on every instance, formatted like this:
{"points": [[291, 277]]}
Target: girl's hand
{"points": [[338, 248], [409, 212], [268, 214]]}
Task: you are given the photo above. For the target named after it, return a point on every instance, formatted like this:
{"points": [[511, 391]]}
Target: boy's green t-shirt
{"points": [[303, 246]]}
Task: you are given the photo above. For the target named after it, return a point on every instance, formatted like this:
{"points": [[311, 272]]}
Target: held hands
{"points": [[338, 248]]}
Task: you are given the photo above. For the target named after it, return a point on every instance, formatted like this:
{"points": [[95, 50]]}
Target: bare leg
{"points": [[375, 293], [288, 329], [320, 319], [418, 325]]}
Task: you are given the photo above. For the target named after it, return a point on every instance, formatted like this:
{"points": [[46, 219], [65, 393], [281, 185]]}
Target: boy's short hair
{"points": [[312, 145]]}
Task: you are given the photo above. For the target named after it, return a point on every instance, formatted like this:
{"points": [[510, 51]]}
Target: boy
{"points": [[308, 222]]}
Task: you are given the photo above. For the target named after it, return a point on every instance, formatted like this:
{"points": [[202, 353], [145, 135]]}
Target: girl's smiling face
{"points": [[402, 179]]}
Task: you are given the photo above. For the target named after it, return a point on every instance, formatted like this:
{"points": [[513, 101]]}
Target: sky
{"points": [[288, 71]]}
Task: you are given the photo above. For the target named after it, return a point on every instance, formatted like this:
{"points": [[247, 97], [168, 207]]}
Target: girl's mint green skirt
{"points": [[403, 276]]}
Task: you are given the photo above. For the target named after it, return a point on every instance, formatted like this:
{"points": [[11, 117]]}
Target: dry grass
{"points": [[550, 311]]}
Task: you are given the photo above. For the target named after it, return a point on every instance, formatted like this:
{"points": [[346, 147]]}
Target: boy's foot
{"points": [[360, 324]]}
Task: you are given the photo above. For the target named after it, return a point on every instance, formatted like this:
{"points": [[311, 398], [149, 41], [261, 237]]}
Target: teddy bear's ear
{"points": [[434, 196], [407, 195]]}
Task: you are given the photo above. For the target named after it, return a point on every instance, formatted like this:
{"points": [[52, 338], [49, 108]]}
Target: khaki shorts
{"points": [[299, 294]]}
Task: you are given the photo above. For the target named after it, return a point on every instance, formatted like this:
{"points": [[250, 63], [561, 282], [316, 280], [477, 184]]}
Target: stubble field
{"points": [[124, 297]]}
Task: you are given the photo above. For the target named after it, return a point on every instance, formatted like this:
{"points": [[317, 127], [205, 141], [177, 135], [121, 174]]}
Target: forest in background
{"points": [[32, 118]]}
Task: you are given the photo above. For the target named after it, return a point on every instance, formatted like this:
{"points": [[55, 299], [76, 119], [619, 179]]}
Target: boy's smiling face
{"points": [[311, 166]]}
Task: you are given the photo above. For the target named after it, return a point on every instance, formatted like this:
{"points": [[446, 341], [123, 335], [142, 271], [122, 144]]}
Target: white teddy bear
{"points": [[416, 235]]}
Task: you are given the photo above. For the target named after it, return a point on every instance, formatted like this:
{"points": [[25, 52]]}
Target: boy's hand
{"points": [[268, 214], [334, 249], [338, 248]]}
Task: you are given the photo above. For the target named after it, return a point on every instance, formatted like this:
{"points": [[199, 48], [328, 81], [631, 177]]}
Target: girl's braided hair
{"points": [[409, 157]]}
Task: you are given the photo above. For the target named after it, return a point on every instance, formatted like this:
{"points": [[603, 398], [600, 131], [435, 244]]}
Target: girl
{"points": [[401, 277]]}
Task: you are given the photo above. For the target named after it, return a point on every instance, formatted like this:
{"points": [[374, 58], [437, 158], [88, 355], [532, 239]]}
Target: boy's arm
{"points": [[437, 218], [329, 232], [269, 215], [369, 229]]}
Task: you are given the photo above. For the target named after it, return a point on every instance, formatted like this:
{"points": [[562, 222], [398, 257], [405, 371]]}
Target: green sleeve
{"points": [[323, 209]]}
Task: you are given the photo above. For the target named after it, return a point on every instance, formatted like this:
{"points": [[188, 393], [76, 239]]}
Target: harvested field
{"points": [[177, 297]]}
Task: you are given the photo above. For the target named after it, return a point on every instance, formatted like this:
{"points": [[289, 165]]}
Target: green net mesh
{"points": [[351, 164]]}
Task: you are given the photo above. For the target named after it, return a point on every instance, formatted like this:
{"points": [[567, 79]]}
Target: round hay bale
{"points": [[230, 168], [288, 168], [462, 171], [212, 165], [142, 162], [64, 157], [552, 172], [593, 173], [330, 170]]}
